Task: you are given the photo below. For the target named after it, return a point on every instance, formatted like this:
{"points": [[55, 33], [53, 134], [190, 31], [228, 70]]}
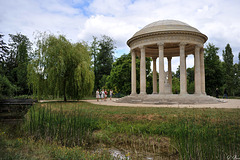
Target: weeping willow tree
{"points": [[60, 68]]}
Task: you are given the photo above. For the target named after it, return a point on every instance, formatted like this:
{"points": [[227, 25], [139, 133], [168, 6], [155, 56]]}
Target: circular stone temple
{"points": [[168, 38]]}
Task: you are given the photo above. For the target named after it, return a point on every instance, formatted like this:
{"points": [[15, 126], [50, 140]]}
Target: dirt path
{"points": [[228, 103]]}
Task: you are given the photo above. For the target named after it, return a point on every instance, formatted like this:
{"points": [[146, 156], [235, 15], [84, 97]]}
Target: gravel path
{"points": [[228, 103]]}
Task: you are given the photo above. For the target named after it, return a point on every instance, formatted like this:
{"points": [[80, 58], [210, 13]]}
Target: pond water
{"points": [[122, 155]]}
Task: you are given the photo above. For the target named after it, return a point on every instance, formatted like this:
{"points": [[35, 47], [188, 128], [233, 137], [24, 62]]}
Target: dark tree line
{"points": [[13, 65], [221, 74], [55, 68], [17, 59]]}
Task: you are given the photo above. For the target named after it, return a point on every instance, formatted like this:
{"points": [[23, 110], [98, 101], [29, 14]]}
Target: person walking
{"points": [[217, 93], [106, 93], [225, 94], [102, 94], [111, 92], [97, 94]]}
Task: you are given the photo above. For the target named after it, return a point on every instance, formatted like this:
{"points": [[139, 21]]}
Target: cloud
{"points": [[30, 16], [82, 19], [99, 25]]}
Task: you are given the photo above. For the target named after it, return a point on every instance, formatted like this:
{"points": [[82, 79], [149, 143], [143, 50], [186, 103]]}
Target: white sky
{"points": [[120, 19]]}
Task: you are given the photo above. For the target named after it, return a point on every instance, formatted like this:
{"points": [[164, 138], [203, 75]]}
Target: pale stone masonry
{"points": [[154, 76], [167, 39], [134, 88]]}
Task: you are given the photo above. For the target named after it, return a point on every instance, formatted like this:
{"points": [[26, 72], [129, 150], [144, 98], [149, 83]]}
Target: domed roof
{"points": [[166, 25]]}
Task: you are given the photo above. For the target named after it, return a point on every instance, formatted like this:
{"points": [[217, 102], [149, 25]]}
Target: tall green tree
{"points": [[237, 77], [228, 68], [61, 68], [120, 77], [3, 55], [94, 53], [17, 61], [7, 89], [103, 54], [213, 69]]}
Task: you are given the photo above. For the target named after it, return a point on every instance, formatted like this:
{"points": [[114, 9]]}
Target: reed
{"points": [[68, 128], [160, 132]]}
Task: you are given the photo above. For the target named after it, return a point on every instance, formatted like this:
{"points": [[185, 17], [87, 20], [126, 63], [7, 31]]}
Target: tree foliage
{"points": [[190, 80], [213, 69], [61, 68], [228, 69], [237, 77], [19, 50], [120, 77], [102, 53], [3, 55], [14, 60]]}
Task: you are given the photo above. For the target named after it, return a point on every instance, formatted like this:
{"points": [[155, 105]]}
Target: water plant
{"points": [[68, 128]]}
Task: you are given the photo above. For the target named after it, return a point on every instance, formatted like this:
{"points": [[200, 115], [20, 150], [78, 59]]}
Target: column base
{"points": [[133, 94], [143, 93], [200, 94], [183, 93]]}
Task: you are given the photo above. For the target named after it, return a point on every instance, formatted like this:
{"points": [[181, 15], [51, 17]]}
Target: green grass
{"points": [[69, 128], [185, 133], [27, 148]]}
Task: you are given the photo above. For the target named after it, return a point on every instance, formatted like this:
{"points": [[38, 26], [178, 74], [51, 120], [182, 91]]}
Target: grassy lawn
{"points": [[80, 130]]}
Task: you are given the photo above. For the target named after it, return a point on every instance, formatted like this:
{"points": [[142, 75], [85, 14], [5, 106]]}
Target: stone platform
{"points": [[169, 99]]}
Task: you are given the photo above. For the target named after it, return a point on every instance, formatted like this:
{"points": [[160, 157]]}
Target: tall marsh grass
{"points": [[68, 128], [160, 132], [203, 139]]}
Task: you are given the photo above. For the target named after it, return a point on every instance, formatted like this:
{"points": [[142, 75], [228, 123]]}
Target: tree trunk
{"points": [[64, 91], [65, 98]]}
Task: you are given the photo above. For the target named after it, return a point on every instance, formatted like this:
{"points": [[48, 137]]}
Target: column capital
{"points": [[169, 58], [197, 49], [132, 51], [160, 44], [198, 46], [181, 44], [142, 47]]}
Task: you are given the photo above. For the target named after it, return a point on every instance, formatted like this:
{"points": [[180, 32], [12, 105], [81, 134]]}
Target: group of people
{"points": [[103, 94]]}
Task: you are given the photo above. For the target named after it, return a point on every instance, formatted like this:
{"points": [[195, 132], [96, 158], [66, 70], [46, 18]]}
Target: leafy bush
{"points": [[7, 89]]}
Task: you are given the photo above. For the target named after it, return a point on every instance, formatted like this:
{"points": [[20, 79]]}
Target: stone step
{"points": [[136, 101]]}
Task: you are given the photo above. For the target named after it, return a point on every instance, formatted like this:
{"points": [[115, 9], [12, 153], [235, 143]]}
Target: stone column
{"points": [[161, 67], [170, 72], [133, 73], [142, 71], [154, 76], [183, 76], [197, 70], [202, 71]]}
